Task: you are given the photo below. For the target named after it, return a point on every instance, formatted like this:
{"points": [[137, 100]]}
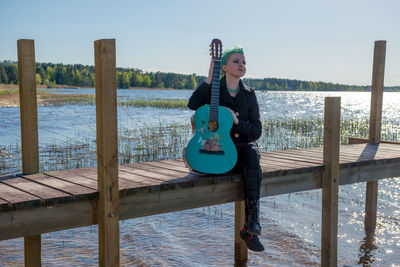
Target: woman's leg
{"points": [[249, 158]]}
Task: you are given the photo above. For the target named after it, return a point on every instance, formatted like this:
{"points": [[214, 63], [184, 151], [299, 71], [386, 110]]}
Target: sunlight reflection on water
{"points": [[204, 236]]}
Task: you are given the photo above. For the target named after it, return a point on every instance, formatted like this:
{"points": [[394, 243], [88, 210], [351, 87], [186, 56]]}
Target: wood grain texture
{"points": [[4, 205], [16, 198], [33, 250], [44, 219], [28, 106], [29, 131], [240, 247], [48, 195], [378, 74], [330, 182], [67, 185], [77, 191], [107, 151]]}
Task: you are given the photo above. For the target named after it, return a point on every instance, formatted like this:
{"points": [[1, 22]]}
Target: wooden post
{"points": [[378, 73], [28, 106], [107, 152], [29, 132], [240, 246], [330, 182]]}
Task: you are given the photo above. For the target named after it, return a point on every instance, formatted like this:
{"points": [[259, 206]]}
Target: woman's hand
{"points": [[193, 124], [210, 71], [235, 118]]}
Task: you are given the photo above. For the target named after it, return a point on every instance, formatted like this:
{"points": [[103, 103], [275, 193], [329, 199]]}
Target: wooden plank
{"points": [[77, 191], [16, 198], [240, 247], [136, 183], [163, 180], [107, 151], [177, 162], [173, 179], [179, 176], [291, 160], [268, 166], [297, 156], [44, 219], [310, 155], [395, 147], [285, 165], [344, 157], [288, 162], [49, 196], [4, 205], [356, 140], [330, 182], [273, 166], [29, 130], [128, 183], [359, 155], [73, 177], [154, 185], [135, 169], [88, 177], [169, 166], [157, 169], [270, 170], [371, 154]]}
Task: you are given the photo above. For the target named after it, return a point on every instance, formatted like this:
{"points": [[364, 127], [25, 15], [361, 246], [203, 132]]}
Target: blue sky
{"points": [[314, 40]]}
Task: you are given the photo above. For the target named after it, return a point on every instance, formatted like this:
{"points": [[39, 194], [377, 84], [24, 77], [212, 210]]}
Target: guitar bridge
{"points": [[209, 152]]}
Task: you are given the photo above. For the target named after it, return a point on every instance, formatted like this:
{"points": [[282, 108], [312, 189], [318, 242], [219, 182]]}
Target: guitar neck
{"points": [[215, 91]]}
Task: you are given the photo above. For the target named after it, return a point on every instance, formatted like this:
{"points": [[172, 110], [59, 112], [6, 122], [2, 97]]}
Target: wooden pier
{"points": [[34, 203], [40, 203]]}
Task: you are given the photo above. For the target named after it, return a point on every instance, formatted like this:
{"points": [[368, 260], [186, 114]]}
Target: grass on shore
{"points": [[8, 92], [67, 99], [48, 99]]}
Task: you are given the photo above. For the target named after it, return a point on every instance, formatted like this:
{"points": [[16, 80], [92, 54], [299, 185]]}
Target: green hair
{"points": [[227, 53]]}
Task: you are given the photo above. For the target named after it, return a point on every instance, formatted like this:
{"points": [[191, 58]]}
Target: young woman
{"points": [[241, 101]]}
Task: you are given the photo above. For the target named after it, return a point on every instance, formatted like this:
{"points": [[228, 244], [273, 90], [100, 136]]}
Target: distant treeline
{"points": [[50, 74]]}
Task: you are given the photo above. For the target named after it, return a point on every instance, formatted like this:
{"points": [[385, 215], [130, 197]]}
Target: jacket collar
{"points": [[241, 84]]}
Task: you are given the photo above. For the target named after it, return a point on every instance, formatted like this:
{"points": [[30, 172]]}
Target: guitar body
{"points": [[208, 151]]}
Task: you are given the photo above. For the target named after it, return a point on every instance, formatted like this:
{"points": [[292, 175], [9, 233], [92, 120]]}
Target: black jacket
{"points": [[244, 104]]}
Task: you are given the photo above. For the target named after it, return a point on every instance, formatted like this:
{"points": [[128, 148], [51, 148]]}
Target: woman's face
{"points": [[236, 65]]}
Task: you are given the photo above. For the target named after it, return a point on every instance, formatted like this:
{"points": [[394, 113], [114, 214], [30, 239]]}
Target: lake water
{"points": [[204, 236]]}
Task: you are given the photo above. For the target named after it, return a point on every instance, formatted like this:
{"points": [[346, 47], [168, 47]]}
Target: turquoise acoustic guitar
{"points": [[211, 150]]}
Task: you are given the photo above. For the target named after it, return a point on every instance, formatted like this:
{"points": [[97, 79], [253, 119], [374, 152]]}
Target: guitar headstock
{"points": [[216, 49]]}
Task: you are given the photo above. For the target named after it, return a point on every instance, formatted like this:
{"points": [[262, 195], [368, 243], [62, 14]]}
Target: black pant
{"points": [[249, 165]]}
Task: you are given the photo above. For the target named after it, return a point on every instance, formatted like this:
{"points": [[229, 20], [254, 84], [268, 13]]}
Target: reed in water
{"points": [[151, 143]]}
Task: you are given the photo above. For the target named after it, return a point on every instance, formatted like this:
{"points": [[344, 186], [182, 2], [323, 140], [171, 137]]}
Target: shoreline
{"points": [[9, 94], [9, 98], [64, 86]]}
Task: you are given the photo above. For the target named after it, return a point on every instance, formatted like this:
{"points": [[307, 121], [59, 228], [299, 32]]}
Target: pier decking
{"points": [[34, 204]]}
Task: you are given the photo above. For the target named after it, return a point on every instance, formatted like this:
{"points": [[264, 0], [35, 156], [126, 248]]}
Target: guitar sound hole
{"points": [[213, 126]]}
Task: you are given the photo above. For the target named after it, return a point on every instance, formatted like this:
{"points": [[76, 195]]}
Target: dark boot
{"points": [[252, 217], [252, 241]]}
